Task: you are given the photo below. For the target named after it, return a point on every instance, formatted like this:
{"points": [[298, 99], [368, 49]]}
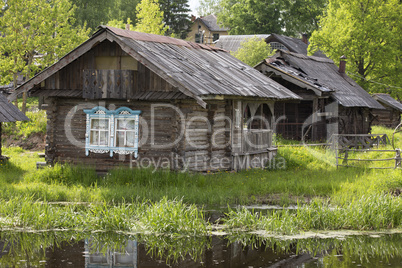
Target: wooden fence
{"points": [[345, 159], [363, 141]]}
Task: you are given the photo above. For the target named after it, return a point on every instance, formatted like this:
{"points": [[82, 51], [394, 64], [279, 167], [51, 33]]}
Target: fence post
{"points": [[398, 158], [345, 159]]}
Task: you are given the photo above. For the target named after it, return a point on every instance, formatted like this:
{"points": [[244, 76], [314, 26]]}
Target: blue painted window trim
{"points": [[100, 112]]}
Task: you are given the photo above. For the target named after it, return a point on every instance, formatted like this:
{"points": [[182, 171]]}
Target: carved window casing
{"points": [[112, 131]]}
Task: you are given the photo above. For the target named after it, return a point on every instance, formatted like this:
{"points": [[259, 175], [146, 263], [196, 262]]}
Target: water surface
{"points": [[69, 249]]}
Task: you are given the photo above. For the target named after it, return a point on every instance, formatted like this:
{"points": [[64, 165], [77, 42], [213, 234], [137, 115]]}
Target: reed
{"points": [[373, 212]]}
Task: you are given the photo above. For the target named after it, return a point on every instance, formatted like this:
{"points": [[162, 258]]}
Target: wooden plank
{"points": [[70, 57]]}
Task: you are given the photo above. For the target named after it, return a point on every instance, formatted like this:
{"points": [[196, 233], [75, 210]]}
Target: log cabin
{"points": [[332, 102], [125, 98], [9, 113], [391, 115]]}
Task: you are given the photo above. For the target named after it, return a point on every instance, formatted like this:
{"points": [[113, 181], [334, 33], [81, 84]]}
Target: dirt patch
{"points": [[35, 142]]}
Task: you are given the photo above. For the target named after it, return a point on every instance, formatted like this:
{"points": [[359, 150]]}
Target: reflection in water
{"points": [[107, 249]]}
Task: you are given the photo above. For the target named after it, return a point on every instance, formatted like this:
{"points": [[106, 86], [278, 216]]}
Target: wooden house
{"points": [[135, 99], [332, 102], [291, 44], [9, 113], [206, 30], [391, 115]]}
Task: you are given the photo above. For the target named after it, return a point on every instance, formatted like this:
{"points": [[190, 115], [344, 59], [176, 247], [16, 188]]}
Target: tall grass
{"points": [[371, 212], [172, 218]]}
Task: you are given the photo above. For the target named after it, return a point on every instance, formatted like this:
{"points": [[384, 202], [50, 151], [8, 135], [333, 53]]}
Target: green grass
{"points": [[305, 174], [24, 129], [368, 212]]}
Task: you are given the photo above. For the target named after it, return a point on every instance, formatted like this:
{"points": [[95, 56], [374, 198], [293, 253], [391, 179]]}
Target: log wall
{"points": [[177, 135], [389, 117]]}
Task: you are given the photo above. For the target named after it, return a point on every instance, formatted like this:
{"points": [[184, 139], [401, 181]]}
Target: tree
{"points": [[150, 18], [176, 17], [123, 10], [252, 16], [302, 16], [120, 24], [289, 17], [35, 34], [92, 12], [368, 33], [253, 50], [208, 7]]}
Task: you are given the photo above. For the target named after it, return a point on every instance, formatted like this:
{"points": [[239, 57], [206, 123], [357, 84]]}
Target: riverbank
{"points": [[326, 197]]}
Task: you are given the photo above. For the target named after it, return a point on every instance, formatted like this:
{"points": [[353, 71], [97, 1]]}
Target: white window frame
{"points": [[101, 113]]}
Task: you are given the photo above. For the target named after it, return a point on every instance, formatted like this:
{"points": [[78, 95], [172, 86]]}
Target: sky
{"points": [[193, 4]]}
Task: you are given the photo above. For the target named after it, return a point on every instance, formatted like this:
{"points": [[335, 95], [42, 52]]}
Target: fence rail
{"points": [[364, 141], [346, 158]]}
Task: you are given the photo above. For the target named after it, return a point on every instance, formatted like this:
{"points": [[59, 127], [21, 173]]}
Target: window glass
{"points": [[99, 132], [125, 132]]}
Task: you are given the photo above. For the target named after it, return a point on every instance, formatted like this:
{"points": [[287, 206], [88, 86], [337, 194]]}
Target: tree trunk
{"points": [[24, 94], [24, 102], [15, 86]]}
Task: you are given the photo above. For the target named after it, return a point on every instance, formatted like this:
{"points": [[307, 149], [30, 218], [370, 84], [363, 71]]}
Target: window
{"points": [[256, 116], [215, 37], [276, 45], [112, 131], [199, 38]]}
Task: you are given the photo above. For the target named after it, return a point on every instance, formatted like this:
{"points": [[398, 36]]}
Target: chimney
{"points": [[342, 65], [193, 18], [128, 27], [304, 38]]}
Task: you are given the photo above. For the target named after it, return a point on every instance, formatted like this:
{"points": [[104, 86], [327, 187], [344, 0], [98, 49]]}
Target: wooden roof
{"points": [[233, 42], [386, 99], [10, 113], [321, 75], [295, 45], [196, 70]]}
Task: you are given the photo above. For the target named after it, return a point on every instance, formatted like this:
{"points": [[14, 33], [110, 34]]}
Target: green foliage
{"points": [[150, 18], [32, 28], [287, 17], [176, 17], [122, 10], [24, 129], [251, 16], [120, 24], [208, 7], [368, 34], [253, 50], [93, 13], [302, 16]]}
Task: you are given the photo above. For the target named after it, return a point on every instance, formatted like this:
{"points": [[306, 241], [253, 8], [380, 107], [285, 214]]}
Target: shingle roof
{"points": [[10, 113], [211, 22], [233, 42], [322, 74], [386, 99], [196, 70]]}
